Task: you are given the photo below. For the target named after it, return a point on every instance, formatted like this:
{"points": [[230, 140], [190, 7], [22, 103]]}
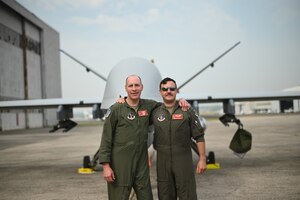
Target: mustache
{"points": [[169, 94]]}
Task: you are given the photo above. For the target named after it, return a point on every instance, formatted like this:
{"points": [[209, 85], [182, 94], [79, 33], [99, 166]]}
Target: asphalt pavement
{"points": [[37, 165]]}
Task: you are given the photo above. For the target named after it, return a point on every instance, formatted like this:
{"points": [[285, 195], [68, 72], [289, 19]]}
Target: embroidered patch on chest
{"points": [[177, 116], [130, 116], [142, 113], [161, 118]]}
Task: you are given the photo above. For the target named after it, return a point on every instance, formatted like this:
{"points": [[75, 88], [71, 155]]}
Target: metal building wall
{"points": [[29, 65]]}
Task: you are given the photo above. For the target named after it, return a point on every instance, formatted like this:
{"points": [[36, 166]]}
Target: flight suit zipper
{"points": [[171, 138]]}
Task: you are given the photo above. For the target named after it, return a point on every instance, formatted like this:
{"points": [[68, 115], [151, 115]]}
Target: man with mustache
{"points": [[173, 130]]}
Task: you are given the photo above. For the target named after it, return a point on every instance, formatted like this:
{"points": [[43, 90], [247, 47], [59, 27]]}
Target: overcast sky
{"points": [[182, 37]]}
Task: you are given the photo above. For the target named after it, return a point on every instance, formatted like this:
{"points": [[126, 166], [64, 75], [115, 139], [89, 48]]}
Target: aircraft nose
{"points": [[148, 72]]}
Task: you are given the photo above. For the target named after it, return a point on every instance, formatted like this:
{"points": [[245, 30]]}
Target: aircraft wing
{"points": [[228, 99], [207, 97], [64, 108], [49, 103]]}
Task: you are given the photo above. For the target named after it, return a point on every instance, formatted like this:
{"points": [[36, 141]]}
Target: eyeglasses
{"points": [[169, 88]]}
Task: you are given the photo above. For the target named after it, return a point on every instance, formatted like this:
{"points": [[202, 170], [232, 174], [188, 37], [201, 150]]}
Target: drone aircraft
{"points": [[151, 77]]}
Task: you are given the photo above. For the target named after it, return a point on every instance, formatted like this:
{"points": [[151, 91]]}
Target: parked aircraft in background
{"points": [[151, 77]]}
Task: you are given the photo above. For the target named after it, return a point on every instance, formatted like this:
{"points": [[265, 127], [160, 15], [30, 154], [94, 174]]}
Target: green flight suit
{"points": [[172, 140], [124, 146]]}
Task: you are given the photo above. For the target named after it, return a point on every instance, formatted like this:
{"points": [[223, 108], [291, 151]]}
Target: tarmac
{"points": [[38, 165]]}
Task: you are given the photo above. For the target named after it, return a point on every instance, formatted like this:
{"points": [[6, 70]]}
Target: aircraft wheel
{"points": [[86, 162]]}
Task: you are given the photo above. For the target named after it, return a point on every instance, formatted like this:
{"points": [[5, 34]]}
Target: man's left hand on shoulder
{"points": [[184, 104]]}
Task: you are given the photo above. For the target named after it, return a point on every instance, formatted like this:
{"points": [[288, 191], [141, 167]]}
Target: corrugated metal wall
{"points": [[29, 65]]}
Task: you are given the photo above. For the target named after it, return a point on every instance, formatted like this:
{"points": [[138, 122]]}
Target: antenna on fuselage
{"points": [[209, 65], [88, 69]]}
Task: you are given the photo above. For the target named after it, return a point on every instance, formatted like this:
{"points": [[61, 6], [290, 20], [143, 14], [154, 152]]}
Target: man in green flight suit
{"points": [[173, 130], [123, 149]]}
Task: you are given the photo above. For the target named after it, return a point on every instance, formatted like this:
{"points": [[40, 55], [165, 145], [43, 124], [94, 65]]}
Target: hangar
{"points": [[29, 66]]}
